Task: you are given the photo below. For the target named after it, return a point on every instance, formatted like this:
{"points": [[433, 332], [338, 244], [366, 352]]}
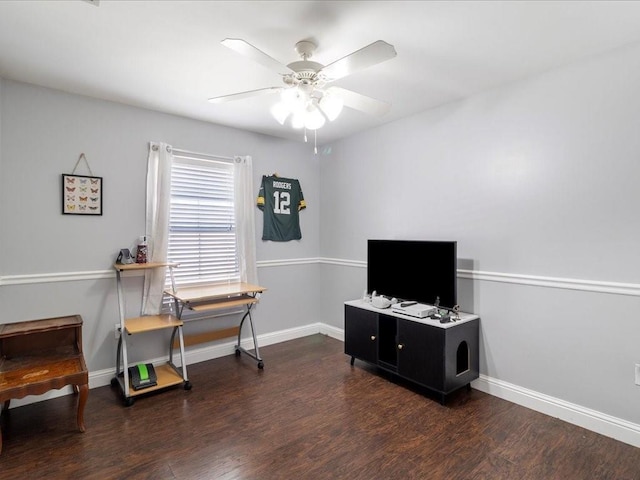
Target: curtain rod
{"points": [[179, 151]]}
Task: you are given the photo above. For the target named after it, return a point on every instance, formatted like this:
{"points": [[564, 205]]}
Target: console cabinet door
{"points": [[420, 353], [361, 334]]}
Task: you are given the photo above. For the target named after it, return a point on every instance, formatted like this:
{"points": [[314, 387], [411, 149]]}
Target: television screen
{"points": [[415, 270]]}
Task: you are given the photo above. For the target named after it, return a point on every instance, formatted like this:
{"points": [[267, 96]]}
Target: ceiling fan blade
{"points": [[361, 102], [372, 54], [245, 48], [242, 95]]}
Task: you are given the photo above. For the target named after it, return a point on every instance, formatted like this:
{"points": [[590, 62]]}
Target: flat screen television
{"points": [[415, 270]]}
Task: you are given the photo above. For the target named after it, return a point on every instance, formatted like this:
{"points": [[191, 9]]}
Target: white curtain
{"points": [[245, 219], [157, 223]]}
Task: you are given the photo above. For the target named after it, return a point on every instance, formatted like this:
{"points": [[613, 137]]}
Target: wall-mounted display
{"points": [[81, 195], [281, 200]]}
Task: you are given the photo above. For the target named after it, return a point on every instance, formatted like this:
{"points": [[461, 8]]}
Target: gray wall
{"points": [[53, 264], [537, 179]]}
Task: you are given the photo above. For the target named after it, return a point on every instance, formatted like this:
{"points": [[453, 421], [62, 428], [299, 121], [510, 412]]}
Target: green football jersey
{"points": [[281, 200]]}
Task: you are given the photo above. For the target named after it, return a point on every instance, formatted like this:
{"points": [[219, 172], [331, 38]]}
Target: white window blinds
{"points": [[202, 227]]}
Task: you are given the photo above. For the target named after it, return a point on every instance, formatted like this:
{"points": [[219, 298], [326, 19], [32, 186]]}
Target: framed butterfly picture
{"points": [[81, 195]]}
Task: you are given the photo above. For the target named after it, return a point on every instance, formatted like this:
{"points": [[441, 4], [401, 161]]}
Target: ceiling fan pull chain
{"points": [[305, 134], [315, 142]]}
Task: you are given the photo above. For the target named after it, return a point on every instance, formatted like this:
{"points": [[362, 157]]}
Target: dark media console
{"points": [[442, 357]]}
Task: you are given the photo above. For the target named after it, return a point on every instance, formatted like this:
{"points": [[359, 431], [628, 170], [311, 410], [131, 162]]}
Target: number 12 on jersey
{"points": [[281, 203]]}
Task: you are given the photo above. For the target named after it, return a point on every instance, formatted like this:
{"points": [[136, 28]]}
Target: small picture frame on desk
{"points": [[81, 195]]}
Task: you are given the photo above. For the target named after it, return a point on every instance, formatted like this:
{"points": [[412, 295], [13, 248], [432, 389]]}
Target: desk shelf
{"points": [[168, 374], [222, 297], [148, 323], [220, 303]]}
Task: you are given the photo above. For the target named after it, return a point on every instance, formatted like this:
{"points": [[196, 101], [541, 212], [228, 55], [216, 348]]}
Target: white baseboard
{"points": [[333, 332], [593, 420]]}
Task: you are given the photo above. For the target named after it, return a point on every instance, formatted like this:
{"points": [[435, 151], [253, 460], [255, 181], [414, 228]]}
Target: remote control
{"points": [[407, 304]]}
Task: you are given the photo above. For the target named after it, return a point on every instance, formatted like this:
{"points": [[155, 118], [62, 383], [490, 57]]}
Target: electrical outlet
{"points": [[637, 373], [117, 330]]}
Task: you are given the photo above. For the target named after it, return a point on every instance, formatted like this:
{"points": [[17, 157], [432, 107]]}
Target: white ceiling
{"points": [[167, 56]]}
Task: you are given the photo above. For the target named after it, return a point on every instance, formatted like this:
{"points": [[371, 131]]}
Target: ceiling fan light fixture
{"points": [[302, 107], [297, 120], [313, 118], [292, 98], [280, 112], [331, 105]]}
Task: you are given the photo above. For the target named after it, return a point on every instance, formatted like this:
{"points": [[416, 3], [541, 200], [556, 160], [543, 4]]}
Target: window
{"points": [[202, 228]]}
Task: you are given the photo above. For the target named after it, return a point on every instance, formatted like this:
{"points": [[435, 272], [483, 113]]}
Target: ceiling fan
{"points": [[305, 100]]}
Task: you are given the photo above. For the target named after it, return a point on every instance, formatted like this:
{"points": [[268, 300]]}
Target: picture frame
{"points": [[81, 195]]}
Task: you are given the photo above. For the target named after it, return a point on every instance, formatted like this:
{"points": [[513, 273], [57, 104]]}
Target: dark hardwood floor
{"points": [[307, 415]]}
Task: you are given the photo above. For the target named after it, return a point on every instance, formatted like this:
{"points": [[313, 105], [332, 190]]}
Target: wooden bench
{"points": [[40, 355]]}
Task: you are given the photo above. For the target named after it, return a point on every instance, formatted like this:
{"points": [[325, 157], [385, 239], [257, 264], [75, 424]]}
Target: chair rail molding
{"points": [[597, 286], [34, 278]]}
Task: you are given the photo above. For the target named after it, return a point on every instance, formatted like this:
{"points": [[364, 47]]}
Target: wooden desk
{"points": [[220, 297], [39, 355]]}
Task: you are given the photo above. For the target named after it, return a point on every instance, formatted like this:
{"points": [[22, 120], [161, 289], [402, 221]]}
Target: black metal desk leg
{"points": [[240, 349]]}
